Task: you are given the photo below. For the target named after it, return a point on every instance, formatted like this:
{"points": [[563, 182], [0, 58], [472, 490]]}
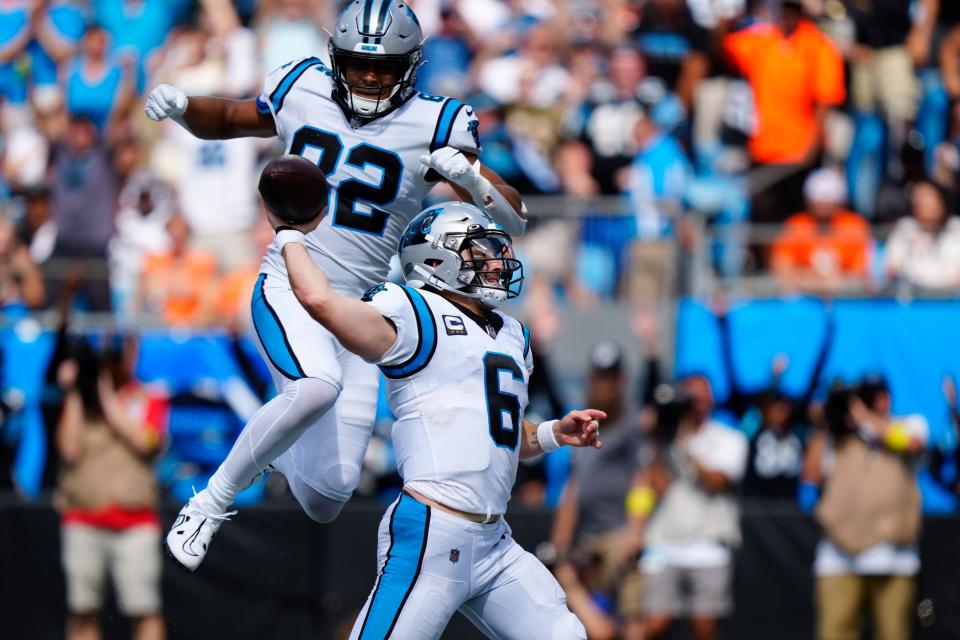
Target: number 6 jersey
{"points": [[458, 394], [377, 183]]}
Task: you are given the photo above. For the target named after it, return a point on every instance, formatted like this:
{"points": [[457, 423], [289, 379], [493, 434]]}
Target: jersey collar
{"points": [[490, 322]]}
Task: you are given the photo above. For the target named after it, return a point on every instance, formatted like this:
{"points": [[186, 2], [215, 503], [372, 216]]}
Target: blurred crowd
{"points": [[813, 143], [646, 532]]}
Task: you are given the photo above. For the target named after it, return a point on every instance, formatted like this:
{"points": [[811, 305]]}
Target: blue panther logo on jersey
{"points": [[473, 128], [372, 291]]}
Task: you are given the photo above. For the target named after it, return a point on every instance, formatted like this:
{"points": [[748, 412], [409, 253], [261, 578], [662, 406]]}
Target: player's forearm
{"points": [[359, 327], [529, 445], [219, 119]]}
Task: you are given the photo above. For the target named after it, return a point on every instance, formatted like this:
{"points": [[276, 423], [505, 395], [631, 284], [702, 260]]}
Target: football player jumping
{"points": [[383, 145]]}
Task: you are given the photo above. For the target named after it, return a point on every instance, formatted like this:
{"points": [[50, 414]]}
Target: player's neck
{"points": [[472, 304]]}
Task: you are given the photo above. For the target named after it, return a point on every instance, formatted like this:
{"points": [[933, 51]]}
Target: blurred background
{"points": [[742, 221]]}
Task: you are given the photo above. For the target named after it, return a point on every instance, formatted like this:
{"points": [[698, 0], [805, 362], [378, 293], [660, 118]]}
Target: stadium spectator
{"points": [[590, 520], [450, 51], [235, 287], [291, 29], [674, 46], [138, 28], [657, 180], [595, 158], [84, 196], [508, 151], [37, 231], [16, 20], [145, 207], [946, 170], [923, 250], [215, 179], [778, 422], [689, 531], [892, 38], [656, 187], [99, 88], [56, 37], [110, 430], [796, 74], [866, 564], [533, 76], [825, 247], [20, 281], [24, 152], [178, 284]]}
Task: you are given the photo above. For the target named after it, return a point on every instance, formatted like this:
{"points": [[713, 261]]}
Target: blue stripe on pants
{"points": [[271, 334], [409, 524]]}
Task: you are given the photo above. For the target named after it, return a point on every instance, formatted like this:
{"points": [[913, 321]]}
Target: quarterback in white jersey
{"points": [[457, 374], [383, 146]]}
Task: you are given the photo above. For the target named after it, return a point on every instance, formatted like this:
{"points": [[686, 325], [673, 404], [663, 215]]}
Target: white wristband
{"points": [[545, 437], [286, 236]]}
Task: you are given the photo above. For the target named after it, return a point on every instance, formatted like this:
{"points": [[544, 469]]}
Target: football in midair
{"points": [[294, 189]]}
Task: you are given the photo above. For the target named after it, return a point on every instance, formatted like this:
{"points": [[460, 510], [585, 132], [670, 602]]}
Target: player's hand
{"points": [[303, 228], [580, 428], [164, 102], [455, 167]]}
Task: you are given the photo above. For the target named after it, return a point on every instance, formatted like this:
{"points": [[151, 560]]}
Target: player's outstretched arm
{"points": [[481, 186], [358, 326], [579, 428], [207, 117]]}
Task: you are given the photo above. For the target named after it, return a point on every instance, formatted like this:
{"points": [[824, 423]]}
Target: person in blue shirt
{"points": [[449, 54], [15, 34], [97, 87], [138, 27], [56, 36], [658, 178]]}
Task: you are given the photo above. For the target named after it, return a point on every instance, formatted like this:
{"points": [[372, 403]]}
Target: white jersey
{"points": [[458, 394], [377, 183]]}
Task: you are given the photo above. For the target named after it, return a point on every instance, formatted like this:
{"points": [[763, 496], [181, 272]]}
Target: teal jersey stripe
{"points": [[278, 95], [272, 336], [448, 114], [409, 526], [426, 338]]}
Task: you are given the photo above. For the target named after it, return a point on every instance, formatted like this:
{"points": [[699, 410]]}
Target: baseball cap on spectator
{"points": [[871, 385], [825, 185], [606, 356]]}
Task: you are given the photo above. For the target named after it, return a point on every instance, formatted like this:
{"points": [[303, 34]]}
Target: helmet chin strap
{"points": [[370, 106]]}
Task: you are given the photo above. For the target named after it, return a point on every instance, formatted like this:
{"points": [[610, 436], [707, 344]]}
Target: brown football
{"points": [[294, 189]]}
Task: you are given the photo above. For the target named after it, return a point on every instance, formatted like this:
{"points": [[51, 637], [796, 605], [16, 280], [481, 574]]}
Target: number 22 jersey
{"points": [[458, 394], [377, 183]]}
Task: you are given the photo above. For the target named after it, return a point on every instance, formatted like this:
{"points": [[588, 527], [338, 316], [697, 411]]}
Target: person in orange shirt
{"points": [[796, 74], [825, 247], [179, 284]]}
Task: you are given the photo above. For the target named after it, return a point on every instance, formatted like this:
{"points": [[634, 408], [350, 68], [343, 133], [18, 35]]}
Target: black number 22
{"points": [[500, 402], [350, 192]]}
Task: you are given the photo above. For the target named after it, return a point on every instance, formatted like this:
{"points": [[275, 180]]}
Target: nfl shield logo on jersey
{"points": [[454, 555]]}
